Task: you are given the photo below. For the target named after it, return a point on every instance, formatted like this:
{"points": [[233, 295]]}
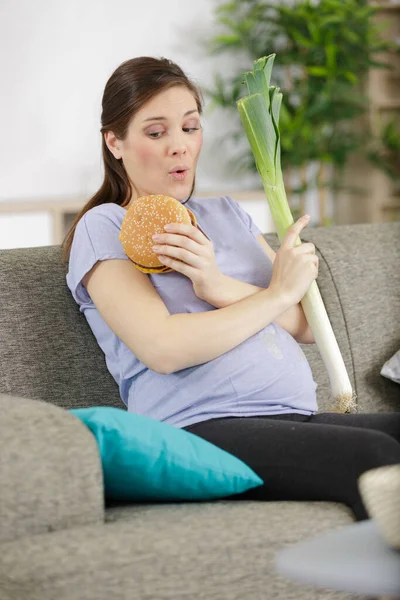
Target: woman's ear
{"points": [[113, 144]]}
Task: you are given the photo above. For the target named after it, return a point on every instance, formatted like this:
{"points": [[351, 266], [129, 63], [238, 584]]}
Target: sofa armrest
{"points": [[50, 470]]}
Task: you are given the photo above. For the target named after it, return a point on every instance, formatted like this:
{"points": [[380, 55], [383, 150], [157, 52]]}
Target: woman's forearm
{"points": [[189, 339], [230, 290]]}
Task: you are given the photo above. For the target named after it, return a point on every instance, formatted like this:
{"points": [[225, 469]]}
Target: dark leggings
{"points": [[318, 457]]}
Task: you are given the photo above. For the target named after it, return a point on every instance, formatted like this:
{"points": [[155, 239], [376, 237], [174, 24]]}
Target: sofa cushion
{"points": [[50, 470], [185, 551], [144, 459]]}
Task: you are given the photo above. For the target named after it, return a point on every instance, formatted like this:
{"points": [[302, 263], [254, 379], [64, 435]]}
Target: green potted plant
{"points": [[384, 152], [324, 51]]}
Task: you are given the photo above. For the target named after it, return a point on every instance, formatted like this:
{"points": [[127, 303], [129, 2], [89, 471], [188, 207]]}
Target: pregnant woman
{"points": [[212, 346]]}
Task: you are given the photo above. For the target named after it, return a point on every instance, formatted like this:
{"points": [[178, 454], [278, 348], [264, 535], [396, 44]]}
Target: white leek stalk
{"points": [[259, 112]]}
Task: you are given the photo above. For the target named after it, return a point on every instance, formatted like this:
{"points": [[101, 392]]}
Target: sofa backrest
{"points": [[48, 352], [47, 349], [363, 262]]}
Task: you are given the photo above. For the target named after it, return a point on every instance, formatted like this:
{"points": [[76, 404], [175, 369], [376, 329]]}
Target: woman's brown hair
{"points": [[131, 85]]}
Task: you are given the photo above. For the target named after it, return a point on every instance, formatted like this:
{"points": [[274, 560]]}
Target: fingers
{"points": [[188, 230], [176, 264], [184, 236], [310, 259], [294, 231], [164, 240], [305, 248], [177, 253], [314, 262]]}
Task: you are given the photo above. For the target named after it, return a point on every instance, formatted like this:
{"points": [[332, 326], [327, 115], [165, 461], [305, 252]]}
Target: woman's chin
{"points": [[179, 193]]}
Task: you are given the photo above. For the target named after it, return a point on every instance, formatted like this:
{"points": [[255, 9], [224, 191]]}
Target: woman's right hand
{"points": [[295, 267]]}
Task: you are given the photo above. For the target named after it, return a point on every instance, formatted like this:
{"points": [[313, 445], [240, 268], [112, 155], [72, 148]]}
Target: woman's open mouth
{"points": [[179, 175]]}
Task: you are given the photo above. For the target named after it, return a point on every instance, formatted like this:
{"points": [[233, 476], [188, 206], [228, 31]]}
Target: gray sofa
{"points": [[57, 539]]}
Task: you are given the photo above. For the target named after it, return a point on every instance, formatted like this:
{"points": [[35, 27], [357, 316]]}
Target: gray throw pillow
{"points": [[391, 368]]}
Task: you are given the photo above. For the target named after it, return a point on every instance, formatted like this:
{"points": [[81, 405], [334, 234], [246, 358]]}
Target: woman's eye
{"points": [[157, 134]]}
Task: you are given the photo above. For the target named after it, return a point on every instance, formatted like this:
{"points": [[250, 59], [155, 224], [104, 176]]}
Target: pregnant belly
{"points": [[271, 366], [269, 370]]}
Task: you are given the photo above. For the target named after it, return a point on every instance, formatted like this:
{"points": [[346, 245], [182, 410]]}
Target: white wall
{"points": [[55, 58]]}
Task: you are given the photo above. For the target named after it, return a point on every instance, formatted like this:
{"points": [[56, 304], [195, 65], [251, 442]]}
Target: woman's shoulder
{"points": [[96, 238], [109, 210], [108, 216], [99, 228]]}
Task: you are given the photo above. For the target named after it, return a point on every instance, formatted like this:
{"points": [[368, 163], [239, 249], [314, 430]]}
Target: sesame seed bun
{"points": [[148, 215]]}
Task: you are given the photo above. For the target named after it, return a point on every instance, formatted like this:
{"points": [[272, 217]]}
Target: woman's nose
{"points": [[177, 145], [178, 149]]}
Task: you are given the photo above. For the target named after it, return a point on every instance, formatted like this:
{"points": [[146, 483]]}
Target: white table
{"points": [[354, 558]]}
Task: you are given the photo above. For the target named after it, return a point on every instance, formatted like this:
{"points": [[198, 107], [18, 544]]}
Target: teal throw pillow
{"points": [[147, 460]]}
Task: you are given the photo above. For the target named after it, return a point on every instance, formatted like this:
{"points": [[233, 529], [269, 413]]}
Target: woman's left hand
{"points": [[186, 249]]}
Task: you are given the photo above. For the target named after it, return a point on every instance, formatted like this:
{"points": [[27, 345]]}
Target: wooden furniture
{"points": [[373, 196]]}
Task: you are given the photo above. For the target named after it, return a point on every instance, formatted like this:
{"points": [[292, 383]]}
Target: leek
{"points": [[259, 112]]}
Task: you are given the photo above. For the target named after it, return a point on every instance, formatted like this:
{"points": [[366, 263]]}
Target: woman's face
{"points": [[163, 136]]}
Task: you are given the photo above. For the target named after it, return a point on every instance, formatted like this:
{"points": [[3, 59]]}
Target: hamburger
{"points": [[147, 216]]}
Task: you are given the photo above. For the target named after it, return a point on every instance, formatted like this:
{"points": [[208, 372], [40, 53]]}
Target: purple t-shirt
{"points": [[266, 374]]}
